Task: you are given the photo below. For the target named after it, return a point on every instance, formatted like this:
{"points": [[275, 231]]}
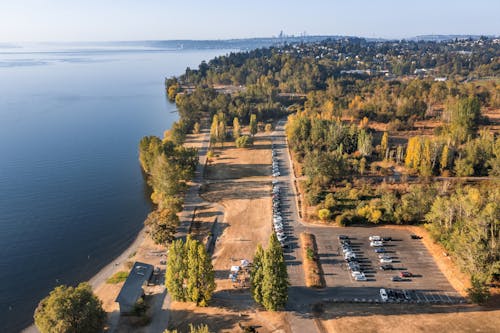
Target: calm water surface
{"points": [[72, 196]]}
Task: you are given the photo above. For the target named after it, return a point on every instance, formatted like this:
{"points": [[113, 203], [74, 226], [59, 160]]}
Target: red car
{"points": [[406, 274]]}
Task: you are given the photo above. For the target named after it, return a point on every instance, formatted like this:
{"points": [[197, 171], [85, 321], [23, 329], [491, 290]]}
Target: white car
{"points": [[276, 174], [375, 238], [349, 255], [383, 295], [360, 277], [380, 256], [386, 260], [376, 243]]}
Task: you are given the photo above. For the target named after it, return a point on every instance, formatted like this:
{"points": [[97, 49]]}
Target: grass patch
{"points": [[117, 278], [312, 267]]}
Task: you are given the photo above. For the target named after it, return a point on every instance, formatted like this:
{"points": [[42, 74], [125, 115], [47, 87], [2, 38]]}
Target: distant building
{"points": [[132, 289]]}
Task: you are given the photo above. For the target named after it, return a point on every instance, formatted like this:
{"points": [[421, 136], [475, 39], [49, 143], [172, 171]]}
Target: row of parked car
{"points": [[351, 259], [378, 243], [275, 166], [278, 226], [396, 295]]}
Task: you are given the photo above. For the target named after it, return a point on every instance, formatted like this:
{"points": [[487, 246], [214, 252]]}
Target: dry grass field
{"points": [[357, 318], [239, 180]]}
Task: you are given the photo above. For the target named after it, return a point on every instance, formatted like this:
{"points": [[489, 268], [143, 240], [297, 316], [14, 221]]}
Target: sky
{"points": [[108, 20]]}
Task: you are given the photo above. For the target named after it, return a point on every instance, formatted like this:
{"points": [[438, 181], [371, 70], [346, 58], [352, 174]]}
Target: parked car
{"points": [[396, 278], [383, 255], [387, 238], [360, 277], [386, 267], [383, 295], [406, 274], [375, 238], [415, 236], [385, 260], [376, 243], [380, 250], [343, 237]]}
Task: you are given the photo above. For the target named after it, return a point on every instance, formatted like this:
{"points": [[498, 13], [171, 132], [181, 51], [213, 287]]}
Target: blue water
{"points": [[72, 195]]}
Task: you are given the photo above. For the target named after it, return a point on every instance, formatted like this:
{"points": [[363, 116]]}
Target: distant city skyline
{"points": [[107, 20]]}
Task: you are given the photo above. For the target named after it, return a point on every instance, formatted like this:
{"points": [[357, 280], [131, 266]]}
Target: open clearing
{"points": [[239, 180], [360, 318]]}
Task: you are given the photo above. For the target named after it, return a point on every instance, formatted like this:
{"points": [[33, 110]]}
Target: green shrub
{"points": [[310, 253], [117, 277], [324, 214], [244, 141]]}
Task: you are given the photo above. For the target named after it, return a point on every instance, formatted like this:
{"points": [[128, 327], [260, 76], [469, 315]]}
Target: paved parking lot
{"points": [[427, 283]]}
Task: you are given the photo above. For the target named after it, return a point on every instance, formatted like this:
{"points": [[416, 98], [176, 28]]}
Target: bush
{"points": [[343, 219], [117, 277], [324, 214], [244, 141], [479, 291]]}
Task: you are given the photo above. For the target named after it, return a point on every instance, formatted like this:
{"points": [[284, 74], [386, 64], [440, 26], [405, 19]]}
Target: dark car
{"points": [[386, 239], [379, 250], [386, 267], [415, 236], [406, 274], [343, 237], [396, 278]]}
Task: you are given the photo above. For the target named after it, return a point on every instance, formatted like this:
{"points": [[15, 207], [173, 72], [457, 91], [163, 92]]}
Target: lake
{"points": [[72, 195]]}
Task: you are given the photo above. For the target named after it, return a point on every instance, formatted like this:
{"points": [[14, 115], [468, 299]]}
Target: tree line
{"points": [[168, 166]]}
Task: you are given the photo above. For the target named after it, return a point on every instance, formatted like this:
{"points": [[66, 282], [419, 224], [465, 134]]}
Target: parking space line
{"points": [[448, 297]]}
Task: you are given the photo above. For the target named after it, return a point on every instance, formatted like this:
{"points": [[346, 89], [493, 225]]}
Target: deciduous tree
{"points": [[70, 310]]}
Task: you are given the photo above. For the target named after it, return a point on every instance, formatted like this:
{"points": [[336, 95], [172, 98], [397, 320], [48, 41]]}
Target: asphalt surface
{"points": [[428, 285]]}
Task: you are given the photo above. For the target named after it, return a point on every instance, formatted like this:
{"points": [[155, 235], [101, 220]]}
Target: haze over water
{"points": [[72, 195]]}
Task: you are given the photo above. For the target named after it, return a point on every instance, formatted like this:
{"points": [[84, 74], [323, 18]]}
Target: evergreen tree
{"points": [[256, 275], [253, 124], [236, 128], [275, 276]]}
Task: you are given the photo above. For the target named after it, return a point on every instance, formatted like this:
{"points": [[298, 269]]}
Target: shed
{"points": [[132, 288]]}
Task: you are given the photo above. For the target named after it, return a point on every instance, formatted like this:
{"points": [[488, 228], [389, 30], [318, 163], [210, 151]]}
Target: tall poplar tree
{"points": [[384, 144], [253, 124], [176, 272], [214, 129], [236, 128], [190, 275], [275, 277], [256, 275]]}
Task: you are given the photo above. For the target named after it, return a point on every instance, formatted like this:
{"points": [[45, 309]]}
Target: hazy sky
{"points": [[97, 20]]}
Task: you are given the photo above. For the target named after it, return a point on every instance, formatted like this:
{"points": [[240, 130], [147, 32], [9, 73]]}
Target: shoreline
{"points": [[99, 279]]}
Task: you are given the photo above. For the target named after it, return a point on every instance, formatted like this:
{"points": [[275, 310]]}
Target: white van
{"points": [[383, 295]]}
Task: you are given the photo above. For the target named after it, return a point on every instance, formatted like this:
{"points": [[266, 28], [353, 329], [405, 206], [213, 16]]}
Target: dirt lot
{"points": [[409, 318]]}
